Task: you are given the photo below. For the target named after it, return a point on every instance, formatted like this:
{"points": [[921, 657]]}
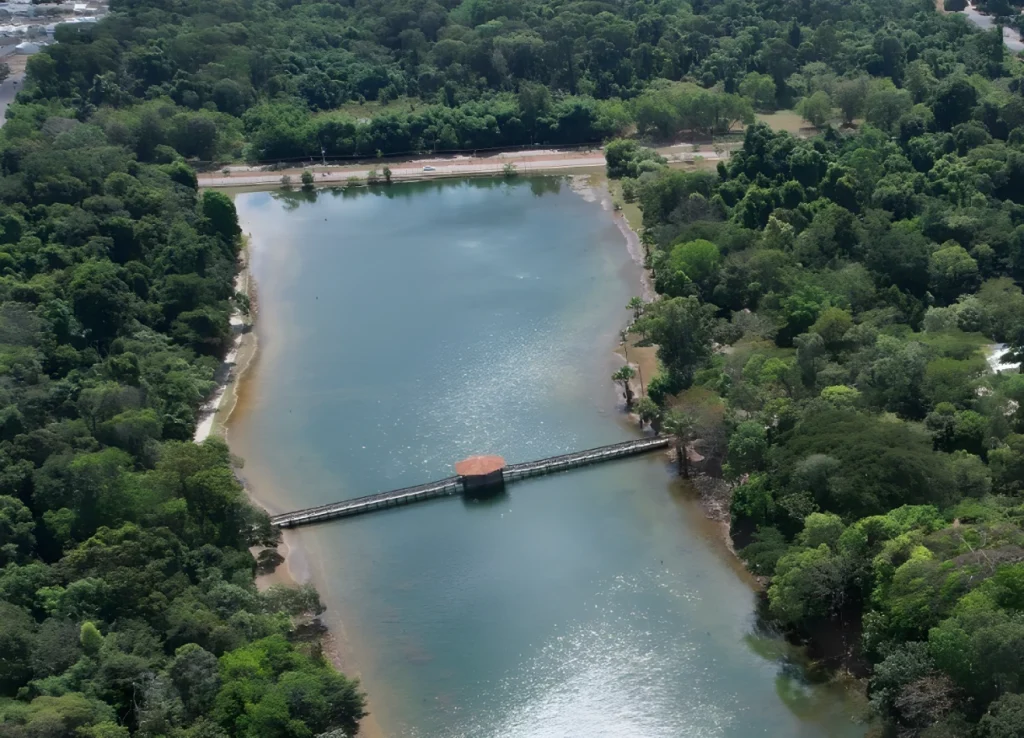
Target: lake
{"points": [[404, 328]]}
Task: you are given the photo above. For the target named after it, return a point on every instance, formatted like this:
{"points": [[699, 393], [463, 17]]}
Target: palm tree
{"points": [[681, 426], [636, 304], [649, 412], [623, 376], [647, 240]]}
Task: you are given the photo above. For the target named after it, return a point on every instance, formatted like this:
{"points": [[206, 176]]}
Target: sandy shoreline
{"points": [[643, 359], [712, 495], [215, 411], [525, 162]]}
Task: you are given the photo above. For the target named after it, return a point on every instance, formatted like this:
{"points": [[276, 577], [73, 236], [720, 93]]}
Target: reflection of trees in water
{"points": [[292, 197], [803, 685], [545, 185]]}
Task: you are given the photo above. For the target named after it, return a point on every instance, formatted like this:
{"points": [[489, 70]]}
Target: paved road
{"points": [[7, 92], [10, 86], [414, 170]]}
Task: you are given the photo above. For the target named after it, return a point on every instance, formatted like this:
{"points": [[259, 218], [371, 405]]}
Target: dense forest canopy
{"points": [[274, 79], [127, 602], [826, 309], [826, 304]]}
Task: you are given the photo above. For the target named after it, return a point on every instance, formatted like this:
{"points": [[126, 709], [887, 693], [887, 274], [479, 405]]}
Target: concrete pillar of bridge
{"points": [[481, 476]]}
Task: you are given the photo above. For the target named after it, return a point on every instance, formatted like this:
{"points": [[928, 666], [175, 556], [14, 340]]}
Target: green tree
{"points": [[626, 158], [907, 664], [760, 90], [885, 106], [1004, 719], [840, 396], [90, 639], [698, 260], [17, 531], [816, 109], [851, 97], [810, 356], [101, 301], [649, 413], [1007, 464], [682, 328], [801, 310], [16, 636], [971, 475], [854, 464], [894, 379], [832, 325], [919, 80], [762, 555], [618, 155], [106, 729], [954, 102], [267, 687], [66, 715], [809, 585], [821, 528], [195, 674], [975, 646], [220, 213], [748, 446], [952, 272]]}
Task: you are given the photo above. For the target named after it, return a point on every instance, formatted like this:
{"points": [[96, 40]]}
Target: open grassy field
{"points": [[787, 120]]}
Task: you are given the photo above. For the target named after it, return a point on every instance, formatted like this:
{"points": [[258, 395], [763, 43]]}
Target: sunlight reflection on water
{"points": [[625, 672], [402, 336]]}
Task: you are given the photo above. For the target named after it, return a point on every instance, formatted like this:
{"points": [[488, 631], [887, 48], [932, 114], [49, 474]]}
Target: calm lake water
{"points": [[403, 329]]}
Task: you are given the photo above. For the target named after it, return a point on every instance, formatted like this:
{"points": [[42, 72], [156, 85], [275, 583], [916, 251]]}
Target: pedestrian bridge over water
{"points": [[476, 474]]}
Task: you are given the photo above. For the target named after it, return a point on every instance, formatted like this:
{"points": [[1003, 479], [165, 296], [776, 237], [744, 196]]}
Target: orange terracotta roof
{"points": [[479, 465]]}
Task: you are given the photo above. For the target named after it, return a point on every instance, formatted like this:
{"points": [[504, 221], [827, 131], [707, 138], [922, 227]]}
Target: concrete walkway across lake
{"points": [[461, 483]]}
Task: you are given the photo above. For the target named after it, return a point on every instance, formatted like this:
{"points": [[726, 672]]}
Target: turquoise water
{"points": [[403, 329]]}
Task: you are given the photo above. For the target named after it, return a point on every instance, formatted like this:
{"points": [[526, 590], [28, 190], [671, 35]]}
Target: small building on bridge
{"points": [[481, 475]]}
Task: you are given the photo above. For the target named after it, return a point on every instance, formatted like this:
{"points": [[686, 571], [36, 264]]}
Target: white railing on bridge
{"points": [[359, 505]]}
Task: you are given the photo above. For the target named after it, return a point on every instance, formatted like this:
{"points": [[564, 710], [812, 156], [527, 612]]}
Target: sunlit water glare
{"points": [[403, 329]]}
